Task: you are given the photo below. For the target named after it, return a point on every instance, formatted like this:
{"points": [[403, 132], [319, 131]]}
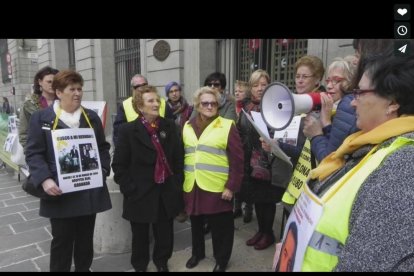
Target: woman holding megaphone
{"points": [[309, 73], [336, 111]]}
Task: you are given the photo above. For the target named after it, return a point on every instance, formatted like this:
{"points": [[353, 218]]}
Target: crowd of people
{"points": [[204, 161]]}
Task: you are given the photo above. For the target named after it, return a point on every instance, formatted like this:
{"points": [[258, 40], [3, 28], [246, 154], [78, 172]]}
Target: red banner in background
{"points": [[284, 41], [254, 44]]}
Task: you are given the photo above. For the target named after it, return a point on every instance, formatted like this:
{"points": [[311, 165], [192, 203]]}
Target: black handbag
{"points": [[29, 188]]}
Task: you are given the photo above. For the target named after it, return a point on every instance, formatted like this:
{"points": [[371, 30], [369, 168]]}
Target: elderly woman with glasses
{"points": [[337, 117], [364, 189], [309, 73], [226, 104], [213, 170]]}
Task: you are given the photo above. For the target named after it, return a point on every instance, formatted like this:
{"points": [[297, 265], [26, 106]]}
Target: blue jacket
{"points": [[343, 125]]}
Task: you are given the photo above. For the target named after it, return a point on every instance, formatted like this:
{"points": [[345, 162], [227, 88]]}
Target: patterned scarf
{"points": [[253, 105], [162, 168], [336, 160], [181, 110]]}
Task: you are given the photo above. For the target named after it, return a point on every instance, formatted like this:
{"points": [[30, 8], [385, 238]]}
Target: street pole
{"points": [[10, 71], [14, 97]]}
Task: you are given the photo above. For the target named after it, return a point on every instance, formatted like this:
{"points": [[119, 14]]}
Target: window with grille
{"points": [[276, 56], [127, 64], [286, 53]]}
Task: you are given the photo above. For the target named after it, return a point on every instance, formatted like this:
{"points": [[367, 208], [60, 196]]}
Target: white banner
{"points": [[99, 107], [298, 231], [77, 159]]}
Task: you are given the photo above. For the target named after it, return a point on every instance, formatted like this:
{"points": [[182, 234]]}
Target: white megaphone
{"points": [[279, 105]]}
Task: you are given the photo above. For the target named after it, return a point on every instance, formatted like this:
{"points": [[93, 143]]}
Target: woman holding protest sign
{"points": [[78, 195]]}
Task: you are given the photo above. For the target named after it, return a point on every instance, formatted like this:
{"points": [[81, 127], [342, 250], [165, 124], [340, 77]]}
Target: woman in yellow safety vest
{"points": [[213, 171], [365, 188], [309, 71]]}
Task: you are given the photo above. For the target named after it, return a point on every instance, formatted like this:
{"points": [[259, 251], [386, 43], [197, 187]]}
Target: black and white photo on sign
{"points": [[89, 158], [69, 159], [77, 159], [289, 135]]}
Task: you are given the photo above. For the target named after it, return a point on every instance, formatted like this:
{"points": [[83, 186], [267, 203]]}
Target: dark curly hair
{"points": [[40, 75]]}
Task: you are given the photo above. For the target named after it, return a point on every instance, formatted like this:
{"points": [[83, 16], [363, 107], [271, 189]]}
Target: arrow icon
{"points": [[402, 49]]}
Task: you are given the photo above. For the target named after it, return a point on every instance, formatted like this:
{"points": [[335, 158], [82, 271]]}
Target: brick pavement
{"points": [[25, 239]]}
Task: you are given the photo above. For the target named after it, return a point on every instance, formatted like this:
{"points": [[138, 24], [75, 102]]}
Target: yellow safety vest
{"points": [[205, 159], [332, 230], [130, 113], [300, 175]]}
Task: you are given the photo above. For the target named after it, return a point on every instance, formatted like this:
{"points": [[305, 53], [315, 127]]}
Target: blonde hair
{"points": [[243, 85], [314, 63], [205, 90], [257, 75], [137, 100]]}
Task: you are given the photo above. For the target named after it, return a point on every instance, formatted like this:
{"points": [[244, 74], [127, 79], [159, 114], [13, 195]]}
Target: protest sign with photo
{"points": [[77, 159]]}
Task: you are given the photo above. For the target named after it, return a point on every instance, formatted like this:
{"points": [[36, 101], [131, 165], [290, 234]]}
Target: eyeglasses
{"points": [[214, 84], [334, 81], [140, 85], [206, 104], [305, 77], [358, 92]]}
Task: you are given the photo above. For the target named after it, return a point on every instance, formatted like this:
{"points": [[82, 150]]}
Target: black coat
{"points": [[254, 190], [134, 163], [40, 158]]}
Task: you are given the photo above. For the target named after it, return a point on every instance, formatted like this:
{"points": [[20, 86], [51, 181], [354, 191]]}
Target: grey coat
{"points": [[381, 236], [40, 158]]}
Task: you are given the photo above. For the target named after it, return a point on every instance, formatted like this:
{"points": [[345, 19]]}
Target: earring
{"points": [[387, 113]]}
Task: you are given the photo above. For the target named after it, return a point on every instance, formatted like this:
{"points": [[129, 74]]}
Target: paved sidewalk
{"points": [[25, 239]]}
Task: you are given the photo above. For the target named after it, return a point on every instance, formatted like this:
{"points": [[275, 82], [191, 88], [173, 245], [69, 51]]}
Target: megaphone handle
{"points": [[316, 114]]}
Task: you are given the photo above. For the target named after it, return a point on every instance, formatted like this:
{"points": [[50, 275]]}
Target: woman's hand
{"points": [[326, 109], [50, 187], [312, 126], [267, 147], [227, 194]]}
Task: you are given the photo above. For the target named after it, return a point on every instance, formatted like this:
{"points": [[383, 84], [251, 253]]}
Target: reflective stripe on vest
{"points": [[206, 160], [206, 167], [300, 175], [325, 244], [130, 113], [338, 201]]}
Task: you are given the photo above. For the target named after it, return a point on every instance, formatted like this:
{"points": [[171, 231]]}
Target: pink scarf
{"points": [[162, 169]]}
